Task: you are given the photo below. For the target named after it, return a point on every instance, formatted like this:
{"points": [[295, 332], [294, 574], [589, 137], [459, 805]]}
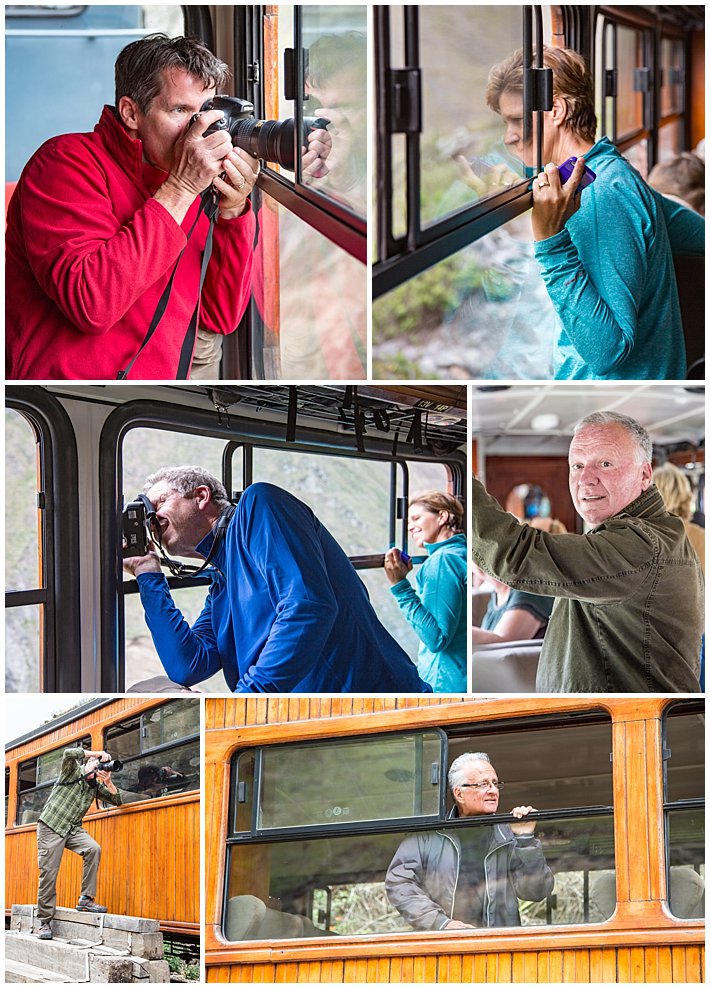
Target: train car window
{"points": [[35, 778], [672, 74], [7, 792], [160, 751], [684, 804], [23, 570], [68, 50], [316, 849]]}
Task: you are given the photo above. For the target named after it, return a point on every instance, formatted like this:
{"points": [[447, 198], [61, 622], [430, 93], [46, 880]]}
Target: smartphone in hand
{"points": [[566, 169]]}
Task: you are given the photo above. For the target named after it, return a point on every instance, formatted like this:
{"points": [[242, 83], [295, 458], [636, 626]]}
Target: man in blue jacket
{"points": [[286, 611]]}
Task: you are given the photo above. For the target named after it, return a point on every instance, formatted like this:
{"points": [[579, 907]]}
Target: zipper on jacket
{"points": [[485, 873]]}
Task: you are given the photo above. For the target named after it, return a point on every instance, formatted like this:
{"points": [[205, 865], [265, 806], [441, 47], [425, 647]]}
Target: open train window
{"points": [[160, 751], [684, 806], [320, 843], [446, 178], [41, 545], [35, 779]]}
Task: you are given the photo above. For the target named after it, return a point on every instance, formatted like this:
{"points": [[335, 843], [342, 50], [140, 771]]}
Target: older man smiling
{"points": [[629, 613]]}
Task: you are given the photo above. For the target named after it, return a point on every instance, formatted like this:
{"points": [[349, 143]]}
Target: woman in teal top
{"points": [[437, 609], [605, 252]]}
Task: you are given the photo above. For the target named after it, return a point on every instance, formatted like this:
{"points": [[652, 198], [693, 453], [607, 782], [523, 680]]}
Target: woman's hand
{"points": [[395, 567], [553, 202]]}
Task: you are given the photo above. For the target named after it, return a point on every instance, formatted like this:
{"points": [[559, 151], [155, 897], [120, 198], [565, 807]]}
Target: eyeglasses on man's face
{"points": [[482, 786]]}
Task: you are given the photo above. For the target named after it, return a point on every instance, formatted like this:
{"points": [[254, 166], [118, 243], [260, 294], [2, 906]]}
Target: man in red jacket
{"points": [[98, 222]]}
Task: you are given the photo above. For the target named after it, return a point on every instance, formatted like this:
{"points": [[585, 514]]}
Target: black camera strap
{"points": [[184, 569], [209, 204]]}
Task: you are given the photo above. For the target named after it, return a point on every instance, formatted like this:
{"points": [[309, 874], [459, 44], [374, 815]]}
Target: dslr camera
{"points": [[136, 524], [272, 140]]}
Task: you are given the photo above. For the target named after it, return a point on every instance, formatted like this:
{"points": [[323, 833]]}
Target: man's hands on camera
{"points": [[314, 157], [240, 172], [135, 565]]}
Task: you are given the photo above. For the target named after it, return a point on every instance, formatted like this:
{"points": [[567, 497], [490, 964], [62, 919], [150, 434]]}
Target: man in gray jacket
{"points": [[629, 613], [468, 877]]}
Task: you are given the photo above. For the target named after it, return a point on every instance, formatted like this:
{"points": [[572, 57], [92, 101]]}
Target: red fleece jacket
{"points": [[89, 252]]}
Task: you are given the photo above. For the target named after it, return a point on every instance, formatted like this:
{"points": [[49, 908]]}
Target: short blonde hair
{"points": [[571, 82], [674, 487]]}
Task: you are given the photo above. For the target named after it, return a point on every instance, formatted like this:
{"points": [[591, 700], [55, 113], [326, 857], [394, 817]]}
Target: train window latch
{"points": [[404, 105], [538, 83]]}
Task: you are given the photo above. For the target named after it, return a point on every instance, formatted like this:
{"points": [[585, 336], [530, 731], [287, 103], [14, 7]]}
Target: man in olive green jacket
{"points": [[629, 611]]}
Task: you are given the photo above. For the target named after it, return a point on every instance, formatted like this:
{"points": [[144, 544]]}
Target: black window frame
{"points": [[82, 742], [252, 432], [235, 839], [400, 258], [159, 749], [692, 706], [60, 644]]}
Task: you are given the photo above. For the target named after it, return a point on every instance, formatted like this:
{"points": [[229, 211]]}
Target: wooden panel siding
{"points": [[150, 861], [641, 942]]}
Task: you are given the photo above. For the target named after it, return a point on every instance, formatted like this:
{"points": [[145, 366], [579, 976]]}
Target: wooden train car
{"points": [[150, 844], [309, 798]]}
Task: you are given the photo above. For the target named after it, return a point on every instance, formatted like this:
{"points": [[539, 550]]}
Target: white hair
{"points": [[634, 428], [185, 481], [457, 770]]}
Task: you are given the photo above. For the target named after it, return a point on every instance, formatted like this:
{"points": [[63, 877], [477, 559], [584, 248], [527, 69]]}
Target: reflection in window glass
{"points": [[335, 40], [22, 523], [463, 154], [671, 76], [629, 101], [387, 778], [338, 885], [73, 59], [309, 307], [481, 313], [685, 782], [686, 841], [23, 648]]}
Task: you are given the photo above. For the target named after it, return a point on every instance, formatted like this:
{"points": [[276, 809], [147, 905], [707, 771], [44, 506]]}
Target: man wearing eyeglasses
{"points": [[469, 877]]}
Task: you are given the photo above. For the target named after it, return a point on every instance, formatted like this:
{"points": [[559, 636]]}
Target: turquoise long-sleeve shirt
{"points": [[610, 276], [438, 613]]}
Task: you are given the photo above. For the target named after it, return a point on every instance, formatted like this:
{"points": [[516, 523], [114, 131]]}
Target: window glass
{"points": [[483, 312], [671, 76], [383, 600], [670, 140], [629, 99], [35, 779], [7, 792], [685, 812], [22, 523], [338, 885], [388, 778], [72, 57], [463, 156], [335, 40], [150, 769], [310, 302], [637, 155], [23, 647]]}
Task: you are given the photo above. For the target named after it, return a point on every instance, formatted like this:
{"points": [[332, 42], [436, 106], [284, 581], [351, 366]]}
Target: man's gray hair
{"points": [[186, 480], [457, 769], [634, 428]]}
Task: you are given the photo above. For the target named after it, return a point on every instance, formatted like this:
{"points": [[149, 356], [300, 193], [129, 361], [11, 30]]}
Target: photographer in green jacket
{"points": [[629, 611]]}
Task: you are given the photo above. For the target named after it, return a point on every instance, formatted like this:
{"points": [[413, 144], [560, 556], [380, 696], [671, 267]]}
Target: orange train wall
{"points": [[150, 864], [642, 942]]}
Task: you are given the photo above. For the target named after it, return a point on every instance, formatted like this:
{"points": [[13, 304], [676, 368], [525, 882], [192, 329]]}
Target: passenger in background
{"points": [[512, 615], [605, 252], [674, 487], [438, 611], [629, 617], [681, 179]]}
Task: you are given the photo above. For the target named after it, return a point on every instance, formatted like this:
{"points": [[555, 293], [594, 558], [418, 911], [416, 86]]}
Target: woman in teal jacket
{"points": [[437, 611], [606, 251]]}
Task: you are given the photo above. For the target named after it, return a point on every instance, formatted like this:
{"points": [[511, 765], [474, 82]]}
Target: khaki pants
{"points": [[207, 356], [50, 848]]}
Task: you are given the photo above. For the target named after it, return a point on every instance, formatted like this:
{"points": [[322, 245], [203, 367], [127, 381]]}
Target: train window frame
{"points": [[671, 806], [400, 258], [58, 473], [236, 839], [84, 741], [138, 721], [253, 432]]}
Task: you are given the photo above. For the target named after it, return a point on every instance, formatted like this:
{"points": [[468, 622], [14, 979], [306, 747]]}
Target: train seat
{"points": [[248, 918], [510, 667], [687, 892], [480, 600]]}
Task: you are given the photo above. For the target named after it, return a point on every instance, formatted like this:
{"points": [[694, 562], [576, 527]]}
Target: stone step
{"points": [[113, 921], [17, 973], [70, 925], [95, 964]]}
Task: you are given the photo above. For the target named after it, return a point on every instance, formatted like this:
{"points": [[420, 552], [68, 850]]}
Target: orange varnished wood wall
{"points": [[150, 863], [641, 943]]}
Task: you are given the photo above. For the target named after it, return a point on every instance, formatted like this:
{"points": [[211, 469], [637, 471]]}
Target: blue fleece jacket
{"points": [[286, 611], [438, 613], [610, 276]]}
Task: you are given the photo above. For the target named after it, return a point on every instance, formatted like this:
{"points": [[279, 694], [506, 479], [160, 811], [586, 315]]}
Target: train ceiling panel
{"points": [[510, 417]]}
